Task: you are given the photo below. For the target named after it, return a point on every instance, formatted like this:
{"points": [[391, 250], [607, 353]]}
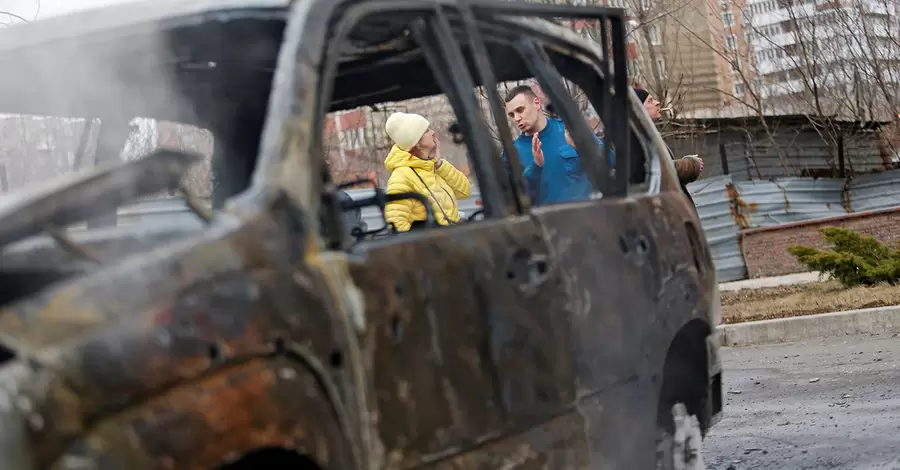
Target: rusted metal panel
{"points": [[711, 196], [188, 334], [875, 191], [222, 344], [460, 361]]}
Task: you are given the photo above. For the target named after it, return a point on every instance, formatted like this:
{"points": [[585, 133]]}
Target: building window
{"points": [[653, 32], [739, 89], [645, 5], [728, 18], [731, 42], [737, 65], [661, 68]]}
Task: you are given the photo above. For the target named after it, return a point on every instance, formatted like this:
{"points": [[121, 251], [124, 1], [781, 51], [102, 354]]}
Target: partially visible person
{"points": [[552, 166], [416, 166], [688, 168]]}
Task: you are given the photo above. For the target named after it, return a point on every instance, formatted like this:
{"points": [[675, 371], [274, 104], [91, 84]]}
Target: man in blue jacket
{"points": [[552, 166]]}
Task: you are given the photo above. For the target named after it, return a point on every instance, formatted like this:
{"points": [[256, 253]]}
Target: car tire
{"points": [[682, 450]]}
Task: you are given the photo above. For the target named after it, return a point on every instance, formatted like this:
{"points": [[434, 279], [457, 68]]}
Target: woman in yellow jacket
{"points": [[416, 166]]}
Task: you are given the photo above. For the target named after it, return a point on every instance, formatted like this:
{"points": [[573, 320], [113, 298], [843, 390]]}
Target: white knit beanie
{"points": [[405, 130]]}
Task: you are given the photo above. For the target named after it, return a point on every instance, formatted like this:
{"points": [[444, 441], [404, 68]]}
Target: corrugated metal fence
{"points": [[726, 207], [714, 205], [875, 191]]}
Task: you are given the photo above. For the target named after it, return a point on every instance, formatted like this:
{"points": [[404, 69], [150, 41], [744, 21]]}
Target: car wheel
{"points": [[683, 449]]}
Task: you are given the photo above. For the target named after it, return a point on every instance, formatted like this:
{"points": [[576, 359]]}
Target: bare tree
{"points": [[8, 18]]}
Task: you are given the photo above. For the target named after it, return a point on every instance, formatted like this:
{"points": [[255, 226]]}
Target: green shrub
{"points": [[855, 259]]}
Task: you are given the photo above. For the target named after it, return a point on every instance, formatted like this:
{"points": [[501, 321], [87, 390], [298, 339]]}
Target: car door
{"points": [[466, 338], [627, 263]]}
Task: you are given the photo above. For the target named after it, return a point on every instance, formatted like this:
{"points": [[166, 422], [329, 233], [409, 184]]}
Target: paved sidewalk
{"points": [[790, 279]]}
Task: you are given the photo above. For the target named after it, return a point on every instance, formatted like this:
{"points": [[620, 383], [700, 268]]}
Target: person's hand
{"points": [[536, 151], [437, 148], [699, 160]]}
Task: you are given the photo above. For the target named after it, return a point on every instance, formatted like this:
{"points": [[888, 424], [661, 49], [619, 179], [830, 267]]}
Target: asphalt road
{"points": [[826, 404]]}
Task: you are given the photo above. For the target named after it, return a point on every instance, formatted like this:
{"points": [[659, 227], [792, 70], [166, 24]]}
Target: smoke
{"points": [[113, 65]]}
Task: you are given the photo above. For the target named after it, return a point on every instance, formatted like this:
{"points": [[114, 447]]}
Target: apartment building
{"points": [[691, 53], [846, 52]]}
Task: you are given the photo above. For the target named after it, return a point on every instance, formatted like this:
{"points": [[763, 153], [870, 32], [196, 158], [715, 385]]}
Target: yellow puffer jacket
{"points": [[447, 184]]}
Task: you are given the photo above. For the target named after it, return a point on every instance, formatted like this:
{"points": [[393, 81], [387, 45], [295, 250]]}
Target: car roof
{"points": [[200, 62], [124, 16]]}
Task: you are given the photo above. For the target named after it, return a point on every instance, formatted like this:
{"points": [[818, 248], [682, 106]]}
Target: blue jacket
{"points": [[562, 178]]}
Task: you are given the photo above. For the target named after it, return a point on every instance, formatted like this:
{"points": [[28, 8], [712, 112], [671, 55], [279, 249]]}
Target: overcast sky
{"points": [[29, 9]]}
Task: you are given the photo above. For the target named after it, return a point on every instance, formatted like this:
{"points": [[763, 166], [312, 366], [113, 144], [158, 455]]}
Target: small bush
{"points": [[855, 259]]}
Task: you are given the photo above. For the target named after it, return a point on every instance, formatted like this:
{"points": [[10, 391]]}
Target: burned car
{"points": [[576, 335]]}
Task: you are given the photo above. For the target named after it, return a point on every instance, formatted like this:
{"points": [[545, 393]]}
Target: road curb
{"points": [[788, 330]]}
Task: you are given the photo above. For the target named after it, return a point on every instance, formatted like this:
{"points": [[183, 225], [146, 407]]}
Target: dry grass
{"points": [[803, 299]]}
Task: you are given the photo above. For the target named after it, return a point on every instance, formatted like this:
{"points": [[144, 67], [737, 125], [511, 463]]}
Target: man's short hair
{"points": [[520, 90]]}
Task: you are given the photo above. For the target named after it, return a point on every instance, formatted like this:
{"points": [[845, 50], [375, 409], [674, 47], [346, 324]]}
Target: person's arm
{"points": [[455, 178], [533, 180], [399, 212], [532, 174]]}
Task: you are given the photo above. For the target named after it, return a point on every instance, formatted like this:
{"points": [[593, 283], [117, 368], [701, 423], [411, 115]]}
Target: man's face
{"points": [[652, 107], [524, 111]]}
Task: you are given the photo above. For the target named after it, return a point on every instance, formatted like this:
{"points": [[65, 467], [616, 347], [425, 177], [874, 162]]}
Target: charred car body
{"points": [[539, 337]]}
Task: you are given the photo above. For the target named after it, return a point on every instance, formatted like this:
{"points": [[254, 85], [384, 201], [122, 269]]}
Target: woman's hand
{"points": [[437, 149]]}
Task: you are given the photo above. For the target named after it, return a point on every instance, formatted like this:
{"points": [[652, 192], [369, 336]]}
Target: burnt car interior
{"points": [[212, 71], [215, 71], [393, 57]]}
